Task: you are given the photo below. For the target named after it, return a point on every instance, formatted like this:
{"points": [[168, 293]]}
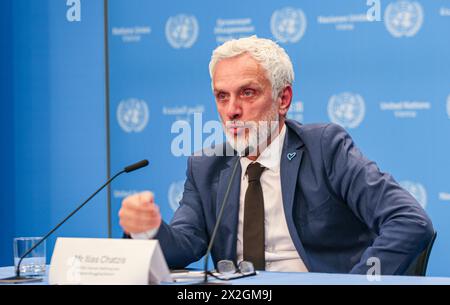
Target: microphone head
{"points": [[135, 166]]}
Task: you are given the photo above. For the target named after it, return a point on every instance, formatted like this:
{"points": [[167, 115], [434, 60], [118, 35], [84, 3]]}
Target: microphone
{"points": [[135, 166], [18, 278], [244, 153]]}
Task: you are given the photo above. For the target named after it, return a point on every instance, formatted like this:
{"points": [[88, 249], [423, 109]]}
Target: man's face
{"points": [[244, 100]]}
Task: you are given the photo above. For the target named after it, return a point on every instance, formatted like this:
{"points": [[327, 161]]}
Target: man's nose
{"points": [[234, 109]]}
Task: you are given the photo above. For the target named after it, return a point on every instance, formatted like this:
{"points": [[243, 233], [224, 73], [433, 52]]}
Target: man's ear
{"points": [[285, 99]]}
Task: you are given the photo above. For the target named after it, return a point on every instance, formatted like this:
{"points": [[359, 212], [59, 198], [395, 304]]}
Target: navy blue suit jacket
{"points": [[340, 209]]}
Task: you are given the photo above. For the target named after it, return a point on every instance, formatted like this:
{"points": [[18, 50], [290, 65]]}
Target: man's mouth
{"points": [[238, 128], [235, 130]]}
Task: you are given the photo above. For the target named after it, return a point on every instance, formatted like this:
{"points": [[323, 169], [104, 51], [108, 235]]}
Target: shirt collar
{"points": [[271, 155]]}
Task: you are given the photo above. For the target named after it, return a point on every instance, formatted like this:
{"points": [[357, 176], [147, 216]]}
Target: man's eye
{"points": [[248, 92], [221, 96]]}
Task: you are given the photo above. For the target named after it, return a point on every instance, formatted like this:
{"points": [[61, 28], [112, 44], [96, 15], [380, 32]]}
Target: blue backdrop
{"points": [[53, 121], [386, 79]]}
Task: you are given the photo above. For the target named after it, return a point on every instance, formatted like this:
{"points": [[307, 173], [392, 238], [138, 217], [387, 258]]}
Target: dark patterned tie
{"points": [[254, 218]]}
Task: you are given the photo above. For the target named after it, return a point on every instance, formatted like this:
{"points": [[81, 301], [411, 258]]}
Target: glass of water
{"points": [[34, 263]]}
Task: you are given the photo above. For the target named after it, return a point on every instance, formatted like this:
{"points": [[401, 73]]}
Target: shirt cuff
{"points": [[145, 235]]}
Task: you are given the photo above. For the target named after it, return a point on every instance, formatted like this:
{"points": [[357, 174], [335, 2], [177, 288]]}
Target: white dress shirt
{"points": [[280, 252]]}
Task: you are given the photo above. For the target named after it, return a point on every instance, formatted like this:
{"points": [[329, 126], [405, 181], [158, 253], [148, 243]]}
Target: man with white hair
{"points": [[305, 198]]}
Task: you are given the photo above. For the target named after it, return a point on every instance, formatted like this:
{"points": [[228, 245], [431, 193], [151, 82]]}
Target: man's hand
{"points": [[139, 213]]}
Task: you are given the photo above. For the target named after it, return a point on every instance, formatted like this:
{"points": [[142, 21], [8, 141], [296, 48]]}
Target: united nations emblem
{"points": [[403, 18], [417, 190], [346, 109], [175, 194], [288, 24], [181, 31], [132, 115]]}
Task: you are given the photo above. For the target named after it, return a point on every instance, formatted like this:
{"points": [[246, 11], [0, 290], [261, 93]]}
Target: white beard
{"points": [[258, 134]]}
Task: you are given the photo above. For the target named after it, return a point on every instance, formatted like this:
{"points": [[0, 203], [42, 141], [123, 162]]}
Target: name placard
{"points": [[94, 261]]}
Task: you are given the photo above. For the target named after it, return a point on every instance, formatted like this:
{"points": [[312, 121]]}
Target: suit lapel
{"points": [[291, 159], [227, 232]]}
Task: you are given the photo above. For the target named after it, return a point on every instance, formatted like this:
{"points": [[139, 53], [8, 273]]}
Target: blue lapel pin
{"points": [[291, 155]]}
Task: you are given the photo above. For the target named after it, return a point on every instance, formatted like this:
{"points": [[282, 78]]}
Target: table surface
{"points": [[298, 278]]}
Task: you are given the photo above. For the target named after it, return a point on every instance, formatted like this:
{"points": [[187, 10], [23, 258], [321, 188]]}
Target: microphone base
{"points": [[20, 280]]}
